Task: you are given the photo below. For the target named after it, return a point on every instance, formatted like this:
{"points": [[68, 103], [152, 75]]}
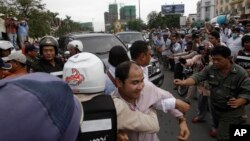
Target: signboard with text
{"points": [[172, 9]]}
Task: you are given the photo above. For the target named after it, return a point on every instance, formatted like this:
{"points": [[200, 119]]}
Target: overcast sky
{"points": [[93, 10]]}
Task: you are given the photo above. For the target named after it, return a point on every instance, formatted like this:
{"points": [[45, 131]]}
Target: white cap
{"points": [[18, 56], [217, 25]]}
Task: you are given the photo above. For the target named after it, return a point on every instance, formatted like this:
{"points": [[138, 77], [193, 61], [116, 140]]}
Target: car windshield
{"points": [[129, 38], [100, 44], [97, 44]]}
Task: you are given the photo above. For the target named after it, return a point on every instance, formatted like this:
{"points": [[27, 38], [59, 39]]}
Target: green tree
{"points": [[67, 26], [156, 20], [152, 16], [136, 25]]}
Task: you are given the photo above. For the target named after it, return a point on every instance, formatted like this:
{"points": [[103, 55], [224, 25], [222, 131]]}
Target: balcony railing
{"points": [[236, 1]]}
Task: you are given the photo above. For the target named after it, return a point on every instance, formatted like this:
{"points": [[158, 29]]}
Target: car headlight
{"points": [[157, 67]]}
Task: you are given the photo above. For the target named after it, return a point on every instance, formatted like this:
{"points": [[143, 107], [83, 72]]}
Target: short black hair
{"points": [[221, 50], [137, 48], [190, 43], [117, 55], [215, 34], [236, 29], [245, 39], [122, 70]]}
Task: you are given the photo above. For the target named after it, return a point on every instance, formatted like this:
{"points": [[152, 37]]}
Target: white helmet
{"points": [[76, 44], [4, 45], [84, 72]]}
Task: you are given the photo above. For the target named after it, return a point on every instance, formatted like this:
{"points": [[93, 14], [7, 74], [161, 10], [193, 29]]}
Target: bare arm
{"points": [[187, 82], [184, 131]]}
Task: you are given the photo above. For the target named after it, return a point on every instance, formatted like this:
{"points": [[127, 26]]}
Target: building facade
{"points": [[113, 12], [206, 10], [111, 17], [239, 8], [198, 10]]}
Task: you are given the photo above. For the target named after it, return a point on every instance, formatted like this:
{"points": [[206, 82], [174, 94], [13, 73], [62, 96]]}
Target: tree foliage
{"points": [[156, 20], [136, 25], [41, 21]]}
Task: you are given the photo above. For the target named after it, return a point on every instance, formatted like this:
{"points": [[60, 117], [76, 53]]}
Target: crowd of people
{"points": [[220, 59], [218, 55], [14, 30]]}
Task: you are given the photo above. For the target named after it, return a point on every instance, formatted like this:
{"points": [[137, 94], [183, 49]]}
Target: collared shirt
{"points": [[234, 45], [166, 47], [109, 85], [176, 48], [151, 97], [145, 72], [235, 84]]}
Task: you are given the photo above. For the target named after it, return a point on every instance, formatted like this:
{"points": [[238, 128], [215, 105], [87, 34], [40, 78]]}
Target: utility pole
{"points": [[139, 10], [139, 14]]}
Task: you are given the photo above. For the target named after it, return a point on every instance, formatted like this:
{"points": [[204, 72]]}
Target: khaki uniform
{"points": [[235, 84]]}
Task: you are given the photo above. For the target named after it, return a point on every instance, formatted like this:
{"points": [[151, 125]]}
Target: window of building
{"points": [[221, 1], [226, 10], [248, 5], [221, 10], [207, 3]]}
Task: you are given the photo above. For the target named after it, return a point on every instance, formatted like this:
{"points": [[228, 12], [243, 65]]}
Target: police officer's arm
{"points": [[194, 79], [187, 82], [135, 120], [243, 93]]}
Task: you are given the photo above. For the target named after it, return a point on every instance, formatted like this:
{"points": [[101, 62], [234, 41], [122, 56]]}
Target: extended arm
{"points": [[135, 120]]}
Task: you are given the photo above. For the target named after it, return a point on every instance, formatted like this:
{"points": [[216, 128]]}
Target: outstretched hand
{"points": [[178, 82], [184, 131]]}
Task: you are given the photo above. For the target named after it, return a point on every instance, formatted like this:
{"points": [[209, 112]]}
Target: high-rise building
{"points": [[127, 13], [113, 12], [198, 10], [87, 26]]}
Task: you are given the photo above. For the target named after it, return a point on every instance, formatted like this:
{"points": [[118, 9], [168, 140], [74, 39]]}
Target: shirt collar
{"points": [[116, 94]]}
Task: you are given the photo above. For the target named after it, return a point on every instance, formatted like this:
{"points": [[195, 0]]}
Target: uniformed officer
{"points": [[49, 50], [230, 90]]}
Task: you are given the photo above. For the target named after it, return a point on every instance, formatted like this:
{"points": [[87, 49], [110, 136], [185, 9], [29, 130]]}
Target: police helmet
{"points": [[48, 41]]}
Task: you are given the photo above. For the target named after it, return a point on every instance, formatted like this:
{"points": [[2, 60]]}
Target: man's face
{"points": [[131, 89], [220, 62], [212, 39], [32, 53], [248, 28], [247, 45], [49, 53], [146, 57], [5, 53], [173, 39], [72, 51]]}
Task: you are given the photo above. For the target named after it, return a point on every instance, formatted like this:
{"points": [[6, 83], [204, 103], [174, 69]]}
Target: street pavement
{"points": [[169, 128]]}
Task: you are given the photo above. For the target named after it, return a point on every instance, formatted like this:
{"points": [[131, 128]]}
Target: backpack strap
{"points": [[111, 77]]}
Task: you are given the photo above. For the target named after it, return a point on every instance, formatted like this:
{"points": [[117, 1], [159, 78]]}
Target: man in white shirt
{"points": [[234, 43]]}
